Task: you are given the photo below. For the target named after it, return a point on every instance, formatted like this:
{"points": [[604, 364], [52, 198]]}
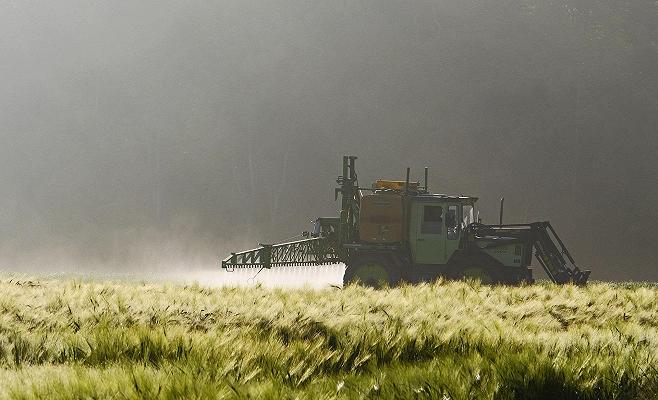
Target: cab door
{"points": [[453, 216], [427, 232]]}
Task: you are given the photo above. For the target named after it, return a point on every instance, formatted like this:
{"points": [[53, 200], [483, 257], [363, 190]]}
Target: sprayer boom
{"points": [[312, 251]]}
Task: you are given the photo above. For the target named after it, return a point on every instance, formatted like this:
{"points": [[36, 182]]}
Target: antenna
{"points": [[426, 173]]}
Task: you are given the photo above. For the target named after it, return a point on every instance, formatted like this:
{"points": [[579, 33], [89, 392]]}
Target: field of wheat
{"points": [[73, 338]]}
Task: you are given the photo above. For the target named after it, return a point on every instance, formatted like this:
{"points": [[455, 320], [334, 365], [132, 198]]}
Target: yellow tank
{"points": [[380, 218], [395, 185]]}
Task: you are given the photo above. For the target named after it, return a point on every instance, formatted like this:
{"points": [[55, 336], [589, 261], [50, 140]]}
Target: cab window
{"points": [[467, 215], [451, 222], [432, 220]]}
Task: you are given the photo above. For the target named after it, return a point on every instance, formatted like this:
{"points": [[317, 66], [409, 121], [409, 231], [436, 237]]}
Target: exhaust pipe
{"points": [[406, 182], [426, 173]]}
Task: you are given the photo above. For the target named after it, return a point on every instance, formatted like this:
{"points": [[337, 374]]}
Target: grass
{"points": [[460, 340]]}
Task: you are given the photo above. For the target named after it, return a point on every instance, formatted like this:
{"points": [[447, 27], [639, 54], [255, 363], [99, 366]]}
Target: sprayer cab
{"points": [[394, 231]]}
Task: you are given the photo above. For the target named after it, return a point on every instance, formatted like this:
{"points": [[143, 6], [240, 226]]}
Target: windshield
{"points": [[467, 215]]}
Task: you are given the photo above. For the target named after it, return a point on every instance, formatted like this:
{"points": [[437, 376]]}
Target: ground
{"points": [[74, 338]]}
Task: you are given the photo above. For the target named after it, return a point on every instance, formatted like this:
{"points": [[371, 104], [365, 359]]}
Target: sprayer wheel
{"points": [[372, 271]]}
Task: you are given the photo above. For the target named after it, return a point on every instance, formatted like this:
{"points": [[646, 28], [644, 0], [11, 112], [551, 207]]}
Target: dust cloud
{"points": [[157, 136]]}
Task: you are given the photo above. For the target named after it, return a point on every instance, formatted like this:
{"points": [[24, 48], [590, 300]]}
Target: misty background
{"points": [[162, 134]]}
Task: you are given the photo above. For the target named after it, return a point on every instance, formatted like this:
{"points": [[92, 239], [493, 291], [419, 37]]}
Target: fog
{"points": [[156, 136]]}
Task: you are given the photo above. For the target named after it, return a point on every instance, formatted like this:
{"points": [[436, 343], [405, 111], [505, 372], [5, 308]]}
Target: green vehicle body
{"points": [[434, 245], [419, 236]]}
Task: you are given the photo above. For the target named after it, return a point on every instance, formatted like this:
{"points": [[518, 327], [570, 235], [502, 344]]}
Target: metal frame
{"points": [[313, 251], [550, 256]]}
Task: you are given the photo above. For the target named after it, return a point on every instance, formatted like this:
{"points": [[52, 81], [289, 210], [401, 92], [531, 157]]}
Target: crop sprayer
{"points": [[399, 231]]}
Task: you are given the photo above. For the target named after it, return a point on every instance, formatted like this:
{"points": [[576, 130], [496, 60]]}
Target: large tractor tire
{"points": [[494, 275], [476, 266], [480, 267], [372, 271], [485, 275]]}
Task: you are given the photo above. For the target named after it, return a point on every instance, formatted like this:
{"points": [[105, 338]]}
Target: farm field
{"points": [[73, 338]]}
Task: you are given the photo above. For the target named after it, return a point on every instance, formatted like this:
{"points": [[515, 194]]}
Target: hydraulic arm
{"points": [[550, 251], [552, 258]]}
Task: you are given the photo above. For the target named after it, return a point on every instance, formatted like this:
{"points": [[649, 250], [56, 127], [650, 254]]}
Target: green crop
{"points": [[72, 338]]}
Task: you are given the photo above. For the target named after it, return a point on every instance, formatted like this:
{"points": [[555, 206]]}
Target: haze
{"points": [[151, 135]]}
